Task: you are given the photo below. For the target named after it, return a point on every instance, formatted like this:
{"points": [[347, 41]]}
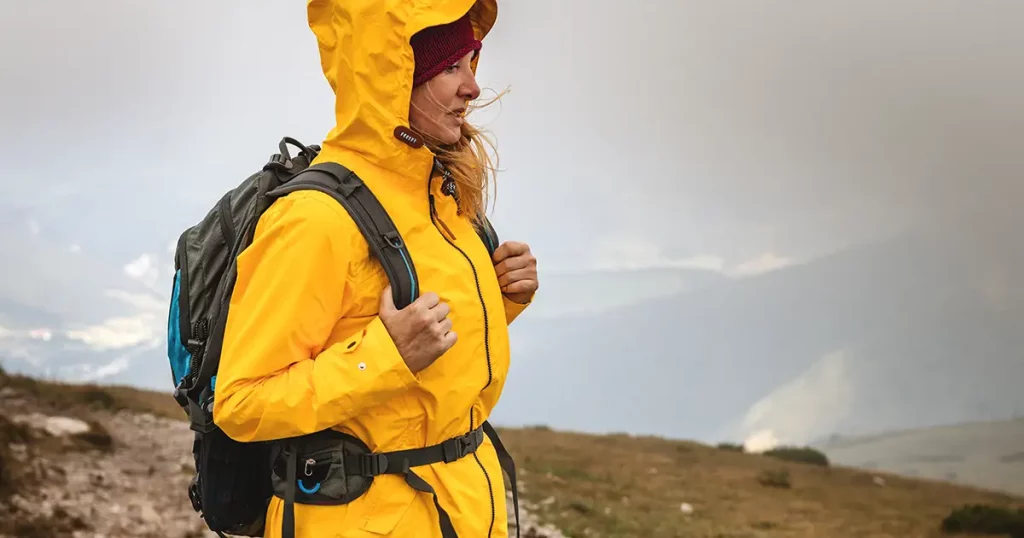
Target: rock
{"points": [[55, 426], [63, 426], [686, 508]]}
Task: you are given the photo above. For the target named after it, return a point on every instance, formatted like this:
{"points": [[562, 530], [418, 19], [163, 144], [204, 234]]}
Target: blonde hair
{"points": [[471, 166]]}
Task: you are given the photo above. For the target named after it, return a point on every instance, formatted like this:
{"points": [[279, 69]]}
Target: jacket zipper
{"points": [[435, 219]]}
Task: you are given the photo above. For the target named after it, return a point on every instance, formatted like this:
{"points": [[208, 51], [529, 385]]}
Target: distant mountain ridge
{"points": [[987, 455], [919, 330]]}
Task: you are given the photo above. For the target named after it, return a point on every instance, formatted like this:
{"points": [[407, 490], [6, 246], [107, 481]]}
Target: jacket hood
{"points": [[367, 58]]}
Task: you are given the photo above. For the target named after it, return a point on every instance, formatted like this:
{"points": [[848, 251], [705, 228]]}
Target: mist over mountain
{"points": [[68, 313], [919, 330]]}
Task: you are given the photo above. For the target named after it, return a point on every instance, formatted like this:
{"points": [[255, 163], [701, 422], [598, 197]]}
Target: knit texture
{"points": [[437, 47]]}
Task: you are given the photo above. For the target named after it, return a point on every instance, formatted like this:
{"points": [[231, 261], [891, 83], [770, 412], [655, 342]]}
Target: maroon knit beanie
{"points": [[438, 47]]}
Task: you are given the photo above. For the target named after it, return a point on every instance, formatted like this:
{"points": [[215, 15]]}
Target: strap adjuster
{"points": [[278, 161], [373, 464]]}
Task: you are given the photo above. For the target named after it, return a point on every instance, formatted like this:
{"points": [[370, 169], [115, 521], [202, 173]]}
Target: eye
{"points": [[451, 68]]}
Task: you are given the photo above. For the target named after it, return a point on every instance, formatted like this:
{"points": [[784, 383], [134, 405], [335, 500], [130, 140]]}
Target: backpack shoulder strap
{"points": [[487, 234], [371, 219]]}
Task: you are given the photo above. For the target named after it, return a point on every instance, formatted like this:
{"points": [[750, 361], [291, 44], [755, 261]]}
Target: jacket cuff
{"points": [[513, 309]]}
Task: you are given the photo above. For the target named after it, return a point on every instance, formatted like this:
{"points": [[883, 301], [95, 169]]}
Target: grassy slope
{"points": [[591, 478], [63, 396], [622, 486], [985, 454]]}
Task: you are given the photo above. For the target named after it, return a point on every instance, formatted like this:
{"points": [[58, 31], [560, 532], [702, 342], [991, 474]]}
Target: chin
{"points": [[449, 137]]}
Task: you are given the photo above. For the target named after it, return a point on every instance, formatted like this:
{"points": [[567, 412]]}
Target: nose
{"points": [[469, 89]]}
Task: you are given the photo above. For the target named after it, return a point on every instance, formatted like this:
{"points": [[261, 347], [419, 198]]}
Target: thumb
{"points": [[387, 302]]}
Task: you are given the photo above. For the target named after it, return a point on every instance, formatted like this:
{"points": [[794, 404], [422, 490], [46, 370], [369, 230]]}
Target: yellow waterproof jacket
{"points": [[304, 349]]}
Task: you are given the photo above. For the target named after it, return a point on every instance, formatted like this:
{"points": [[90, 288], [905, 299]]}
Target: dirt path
{"points": [[127, 476]]}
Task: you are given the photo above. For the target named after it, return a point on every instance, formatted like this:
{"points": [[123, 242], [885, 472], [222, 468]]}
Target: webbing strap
{"points": [[394, 462], [417, 483], [507, 464], [288, 521]]}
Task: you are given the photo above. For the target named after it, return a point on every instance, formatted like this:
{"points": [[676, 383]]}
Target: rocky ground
{"points": [[86, 473]]}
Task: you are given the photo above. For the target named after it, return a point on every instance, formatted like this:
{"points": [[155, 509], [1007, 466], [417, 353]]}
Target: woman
{"points": [[313, 341]]}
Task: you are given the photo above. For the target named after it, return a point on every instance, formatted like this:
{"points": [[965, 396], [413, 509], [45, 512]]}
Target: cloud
{"points": [[33, 227], [144, 269], [142, 301], [761, 441], [88, 373], [41, 334], [118, 333], [76, 249], [631, 253], [146, 327], [809, 406], [769, 261]]}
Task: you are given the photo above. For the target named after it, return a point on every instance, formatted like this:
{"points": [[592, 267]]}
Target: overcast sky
{"points": [[745, 128]]}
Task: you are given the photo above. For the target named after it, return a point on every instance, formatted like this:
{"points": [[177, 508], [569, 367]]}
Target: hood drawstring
{"points": [[448, 188]]}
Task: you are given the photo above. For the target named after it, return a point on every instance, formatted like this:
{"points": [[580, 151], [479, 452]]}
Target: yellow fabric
{"points": [[304, 349]]}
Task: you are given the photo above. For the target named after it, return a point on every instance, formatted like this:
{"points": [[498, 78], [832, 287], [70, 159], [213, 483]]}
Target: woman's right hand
{"points": [[421, 331]]}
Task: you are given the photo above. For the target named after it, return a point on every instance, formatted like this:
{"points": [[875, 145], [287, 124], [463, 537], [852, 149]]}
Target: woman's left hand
{"points": [[517, 271]]}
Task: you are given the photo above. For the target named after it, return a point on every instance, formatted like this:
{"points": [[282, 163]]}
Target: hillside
{"points": [[111, 479], [983, 454]]}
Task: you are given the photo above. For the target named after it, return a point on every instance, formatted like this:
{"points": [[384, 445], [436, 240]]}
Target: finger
{"points": [[428, 300], [514, 276], [509, 248], [445, 326], [511, 264], [441, 311], [449, 340], [521, 286], [387, 302]]}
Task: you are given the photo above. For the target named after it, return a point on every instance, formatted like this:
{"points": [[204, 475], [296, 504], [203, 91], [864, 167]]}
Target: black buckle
{"points": [[278, 161], [200, 417], [373, 464], [458, 447], [193, 494]]}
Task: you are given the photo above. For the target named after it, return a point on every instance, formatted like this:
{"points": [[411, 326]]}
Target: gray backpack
{"points": [[235, 481]]}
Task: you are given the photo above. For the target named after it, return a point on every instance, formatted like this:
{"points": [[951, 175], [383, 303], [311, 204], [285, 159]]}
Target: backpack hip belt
{"points": [[333, 468]]}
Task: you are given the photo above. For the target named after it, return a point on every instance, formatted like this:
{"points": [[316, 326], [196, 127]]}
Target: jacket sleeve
{"points": [[513, 309], [275, 379]]}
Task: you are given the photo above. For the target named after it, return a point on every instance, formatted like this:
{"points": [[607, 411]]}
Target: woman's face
{"points": [[437, 106]]}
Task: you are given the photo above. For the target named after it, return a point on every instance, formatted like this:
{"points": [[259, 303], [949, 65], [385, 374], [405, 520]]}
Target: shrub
{"points": [[97, 437], [799, 455], [98, 398], [10, 469], [731, 447], [774, 479], [983, 519]]}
